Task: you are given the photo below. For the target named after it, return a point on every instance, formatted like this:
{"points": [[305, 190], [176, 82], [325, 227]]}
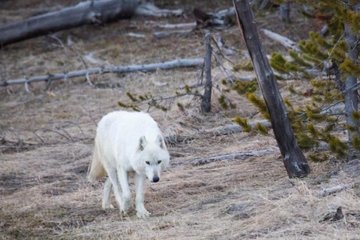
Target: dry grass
{"points": [[49, 136]]}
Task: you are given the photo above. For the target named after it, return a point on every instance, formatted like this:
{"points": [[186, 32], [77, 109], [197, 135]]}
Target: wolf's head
{"points": [[153, 157]]}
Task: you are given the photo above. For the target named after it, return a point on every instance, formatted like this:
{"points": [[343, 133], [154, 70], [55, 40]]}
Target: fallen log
{"points": [[178, 63], [87, 12]]}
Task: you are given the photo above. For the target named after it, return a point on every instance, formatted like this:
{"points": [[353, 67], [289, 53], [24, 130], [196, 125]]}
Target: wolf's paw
{"points": [[124, 208], [125, 204], [107, 206], [142, 213], [123, 213]]}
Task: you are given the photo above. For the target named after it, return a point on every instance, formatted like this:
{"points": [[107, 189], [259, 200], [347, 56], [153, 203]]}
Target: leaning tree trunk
{"points": [[83, 13], [294, 160], [351, 94]]}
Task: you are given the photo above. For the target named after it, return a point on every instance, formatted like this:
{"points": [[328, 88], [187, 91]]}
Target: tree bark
{"points": [[351, 97], [206, 99], [284, 11], [294, 160]]}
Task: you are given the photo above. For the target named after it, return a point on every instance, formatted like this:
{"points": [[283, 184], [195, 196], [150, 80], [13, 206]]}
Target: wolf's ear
{"points": [[142, 143], [160, 141]]}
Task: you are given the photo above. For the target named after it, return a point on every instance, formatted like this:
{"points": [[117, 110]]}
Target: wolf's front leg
{"points": [[125, 194], [140, 208]]}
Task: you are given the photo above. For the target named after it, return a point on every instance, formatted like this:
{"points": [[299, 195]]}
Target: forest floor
{"points": [[46, 142]]}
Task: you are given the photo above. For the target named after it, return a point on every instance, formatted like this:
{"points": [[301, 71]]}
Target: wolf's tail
{"points": [[96, 169]]}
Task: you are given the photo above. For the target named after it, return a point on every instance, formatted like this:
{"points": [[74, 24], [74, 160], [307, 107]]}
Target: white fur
{"points": [[126, 142]]}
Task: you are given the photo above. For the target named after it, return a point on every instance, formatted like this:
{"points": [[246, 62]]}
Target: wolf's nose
{"points": [[156, 179]]}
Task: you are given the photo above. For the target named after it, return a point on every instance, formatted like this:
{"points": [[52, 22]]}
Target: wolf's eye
{"points": [[147, 162], [159, 161]]}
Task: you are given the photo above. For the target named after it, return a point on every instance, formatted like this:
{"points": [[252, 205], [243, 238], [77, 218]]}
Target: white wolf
{"points": [[128, 142]]}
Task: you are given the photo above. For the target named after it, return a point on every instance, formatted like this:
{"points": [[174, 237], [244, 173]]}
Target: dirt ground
{"points": [[46, 141]]}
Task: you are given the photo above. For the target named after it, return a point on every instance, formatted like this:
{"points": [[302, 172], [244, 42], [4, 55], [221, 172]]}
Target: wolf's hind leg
{"points": [[116, 186], [106, 194], [126, 194]]}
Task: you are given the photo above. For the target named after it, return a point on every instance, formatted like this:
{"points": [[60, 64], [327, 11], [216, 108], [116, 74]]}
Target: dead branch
{"points": [[11, 145], [217, 131], [190, 25], [203, 19], [228, 12], [164, 34], [335, 189], [286, 42], [64, 135], [223, 48], [231, 156], [178, 63], [136, 35], [149, 9], [220, 18]]}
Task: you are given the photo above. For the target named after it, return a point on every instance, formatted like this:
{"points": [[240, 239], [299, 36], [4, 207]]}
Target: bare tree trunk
{"points": [[294, 160], [351, 97], [206, 99], [284, 11]]}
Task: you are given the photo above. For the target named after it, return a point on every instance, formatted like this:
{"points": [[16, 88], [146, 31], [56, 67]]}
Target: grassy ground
{"points": [[46, 141]]}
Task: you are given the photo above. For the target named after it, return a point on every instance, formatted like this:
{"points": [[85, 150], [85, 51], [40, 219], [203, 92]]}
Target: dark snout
{"points": [[155, 179]]}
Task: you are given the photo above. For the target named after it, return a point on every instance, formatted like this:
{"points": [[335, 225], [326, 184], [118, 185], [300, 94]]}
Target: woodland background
{"points": [[226, 181]]}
